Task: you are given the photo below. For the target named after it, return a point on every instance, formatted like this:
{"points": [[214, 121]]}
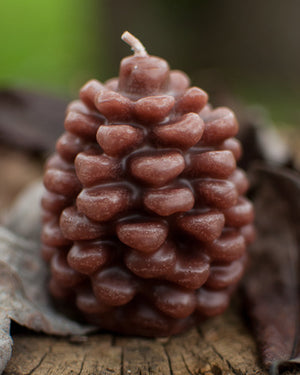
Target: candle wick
{"points": [[134, 43]]}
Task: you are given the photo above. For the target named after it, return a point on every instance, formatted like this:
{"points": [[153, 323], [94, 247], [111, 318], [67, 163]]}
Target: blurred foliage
{"points": [[248, 50], [49, 44], [57, 45], [281, 101]]}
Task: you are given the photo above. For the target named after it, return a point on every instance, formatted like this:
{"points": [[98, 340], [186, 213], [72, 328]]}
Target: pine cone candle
{"points": [[145, 223]]}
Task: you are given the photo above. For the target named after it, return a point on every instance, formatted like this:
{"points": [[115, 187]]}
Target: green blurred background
{"points": [[237, 49]]}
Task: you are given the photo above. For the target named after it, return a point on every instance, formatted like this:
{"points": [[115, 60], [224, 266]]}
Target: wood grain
{"points": [[219, 346]]}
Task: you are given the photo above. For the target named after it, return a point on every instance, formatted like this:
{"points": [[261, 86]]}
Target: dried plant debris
{"points": [[262, 142], [30, 120], [272, 283], [23, 296]]}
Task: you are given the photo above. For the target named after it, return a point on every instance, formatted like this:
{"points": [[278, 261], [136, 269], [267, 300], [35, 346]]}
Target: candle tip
{"points": [[134, 43]]}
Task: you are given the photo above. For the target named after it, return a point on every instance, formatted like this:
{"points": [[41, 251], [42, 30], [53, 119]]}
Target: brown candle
{"points": [[145, 223]]}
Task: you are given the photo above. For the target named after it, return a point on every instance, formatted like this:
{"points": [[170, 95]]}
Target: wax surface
{"points": [[145, 223]]}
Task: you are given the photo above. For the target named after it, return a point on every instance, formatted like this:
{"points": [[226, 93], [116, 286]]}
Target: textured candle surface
{"points": [[145, 225]]}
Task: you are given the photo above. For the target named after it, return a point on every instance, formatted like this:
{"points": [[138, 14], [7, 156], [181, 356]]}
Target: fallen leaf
{"points": [[23, 283], [272, 282], [5, 341]]}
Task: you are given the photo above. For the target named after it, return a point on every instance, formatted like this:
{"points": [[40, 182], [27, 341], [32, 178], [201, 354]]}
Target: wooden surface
{"points": [[220, 346]]}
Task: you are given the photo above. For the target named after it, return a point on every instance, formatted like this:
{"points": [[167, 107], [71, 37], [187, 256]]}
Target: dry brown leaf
{"points": [[23, 278], [272, 283]]}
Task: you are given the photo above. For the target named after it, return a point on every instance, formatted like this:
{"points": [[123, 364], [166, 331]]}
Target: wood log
{"points": [[222, 345]]}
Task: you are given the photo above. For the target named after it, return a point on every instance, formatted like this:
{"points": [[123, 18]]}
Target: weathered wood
{"points": [[37, 354], [142, 356], [221, 346]]}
